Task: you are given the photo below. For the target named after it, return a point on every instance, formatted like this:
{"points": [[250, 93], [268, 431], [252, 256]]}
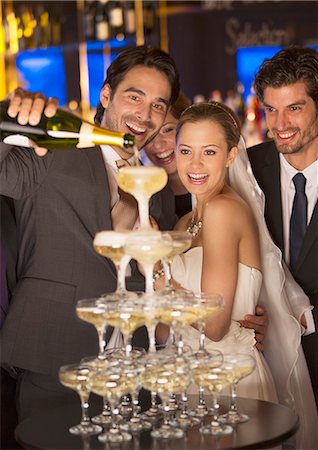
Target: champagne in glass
{"points": [[147, 247], [112, 383], [127, 316], [181, 242], [166, 375], [75, 376], [111, 244], [142, 182], [244, 365], [94, 311], [213, 379]]}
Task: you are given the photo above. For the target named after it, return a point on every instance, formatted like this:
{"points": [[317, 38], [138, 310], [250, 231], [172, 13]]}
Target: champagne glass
{"points": [[210, 304], [105, 417], [165, 375], [111, 244], [181, 242], [75, 376], [112, 383], [183, 310], [127, 315], [93, 310], [142, 182], [147, 247], [213, 379], [244, 364]]}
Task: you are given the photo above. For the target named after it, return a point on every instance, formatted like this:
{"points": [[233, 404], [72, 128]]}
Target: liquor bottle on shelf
{"points": [[28, 23], [11, 27], [149, 16], [89, 19], [116, 20], [56, 30], [44, 26], [129, 18], [63, 130], [101, 21]]}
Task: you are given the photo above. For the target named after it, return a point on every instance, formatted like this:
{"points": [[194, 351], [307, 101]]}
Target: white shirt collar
{"points": [[111, 156], [288, 172]]}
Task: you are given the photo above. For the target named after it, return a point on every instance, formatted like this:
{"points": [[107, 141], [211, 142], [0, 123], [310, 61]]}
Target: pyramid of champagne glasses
{"points": [[119, 371]]}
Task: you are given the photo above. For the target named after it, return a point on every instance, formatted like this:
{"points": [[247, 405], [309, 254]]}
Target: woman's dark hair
{"points": [[288, 66], [215, 112], [140, 56], [182, 103]]}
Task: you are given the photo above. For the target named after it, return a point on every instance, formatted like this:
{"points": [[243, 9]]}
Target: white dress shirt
{"points": [[287, 196], [110, 157]]}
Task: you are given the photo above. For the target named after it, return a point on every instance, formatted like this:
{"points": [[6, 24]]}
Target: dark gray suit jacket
{"points": [[61, 201], [265, 163]]}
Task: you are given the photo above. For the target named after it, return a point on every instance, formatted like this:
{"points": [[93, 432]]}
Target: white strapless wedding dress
{"points": [[186, 270]]}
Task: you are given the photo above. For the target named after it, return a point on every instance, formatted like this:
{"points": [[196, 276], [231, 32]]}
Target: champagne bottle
{"points": [[63, 130]]}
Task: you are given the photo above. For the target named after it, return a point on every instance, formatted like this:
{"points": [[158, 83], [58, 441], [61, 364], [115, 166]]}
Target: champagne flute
{"points": [[75, 376], [244, 364], [213, 379], [111, 244], [142, 182], [181, 242]]}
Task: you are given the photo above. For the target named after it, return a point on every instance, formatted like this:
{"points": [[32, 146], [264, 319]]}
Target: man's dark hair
{"points": [[140, 56], [288, 66]]}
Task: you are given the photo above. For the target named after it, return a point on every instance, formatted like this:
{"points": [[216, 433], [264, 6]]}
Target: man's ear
{"points": [[105, 95], [231, 156]]}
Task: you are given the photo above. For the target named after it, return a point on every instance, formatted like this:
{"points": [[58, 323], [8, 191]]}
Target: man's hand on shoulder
{"points": [[259, 323]]}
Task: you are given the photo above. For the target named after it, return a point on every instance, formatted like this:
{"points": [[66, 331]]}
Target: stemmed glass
{"points": [[111, 244], [213, 379], [244, 364], [164, 375], [112, 383], [105, 417], [93, 310], [75, 376], [183, 310], [147, 247], [142, 182], [127, 315], [210, 304], [181, 242]]}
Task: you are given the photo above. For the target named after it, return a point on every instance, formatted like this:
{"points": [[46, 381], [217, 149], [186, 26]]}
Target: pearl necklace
{"points": [[194, 227]]}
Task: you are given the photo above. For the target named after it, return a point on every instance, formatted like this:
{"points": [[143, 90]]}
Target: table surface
{"points": [[269, 425]]}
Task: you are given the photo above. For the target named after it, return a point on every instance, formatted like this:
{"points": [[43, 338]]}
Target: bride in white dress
{"points": [[228, 257]]}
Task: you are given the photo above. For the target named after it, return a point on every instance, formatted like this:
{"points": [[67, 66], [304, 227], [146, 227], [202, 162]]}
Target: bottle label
{"points": [[84, 136]]}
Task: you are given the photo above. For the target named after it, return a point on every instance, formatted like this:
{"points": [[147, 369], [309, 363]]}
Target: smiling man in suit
{"points": [[286, 169], [61, 199]]}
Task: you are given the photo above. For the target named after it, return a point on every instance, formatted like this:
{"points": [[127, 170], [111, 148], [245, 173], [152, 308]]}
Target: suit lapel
{"points": [[102, 200], [273, 206], [310, 236]]}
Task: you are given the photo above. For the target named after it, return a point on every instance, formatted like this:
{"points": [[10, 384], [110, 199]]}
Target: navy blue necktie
{"points": [[298, 219]]}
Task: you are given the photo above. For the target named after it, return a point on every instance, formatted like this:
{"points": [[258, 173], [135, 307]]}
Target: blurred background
{"points": [[63, 48]]}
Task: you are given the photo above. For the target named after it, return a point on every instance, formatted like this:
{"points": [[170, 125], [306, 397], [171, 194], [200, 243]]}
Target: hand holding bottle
{"points": [[28, 107]]}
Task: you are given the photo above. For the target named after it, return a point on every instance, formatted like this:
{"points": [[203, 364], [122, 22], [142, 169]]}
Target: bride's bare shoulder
{"points": [[182, 223]]}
